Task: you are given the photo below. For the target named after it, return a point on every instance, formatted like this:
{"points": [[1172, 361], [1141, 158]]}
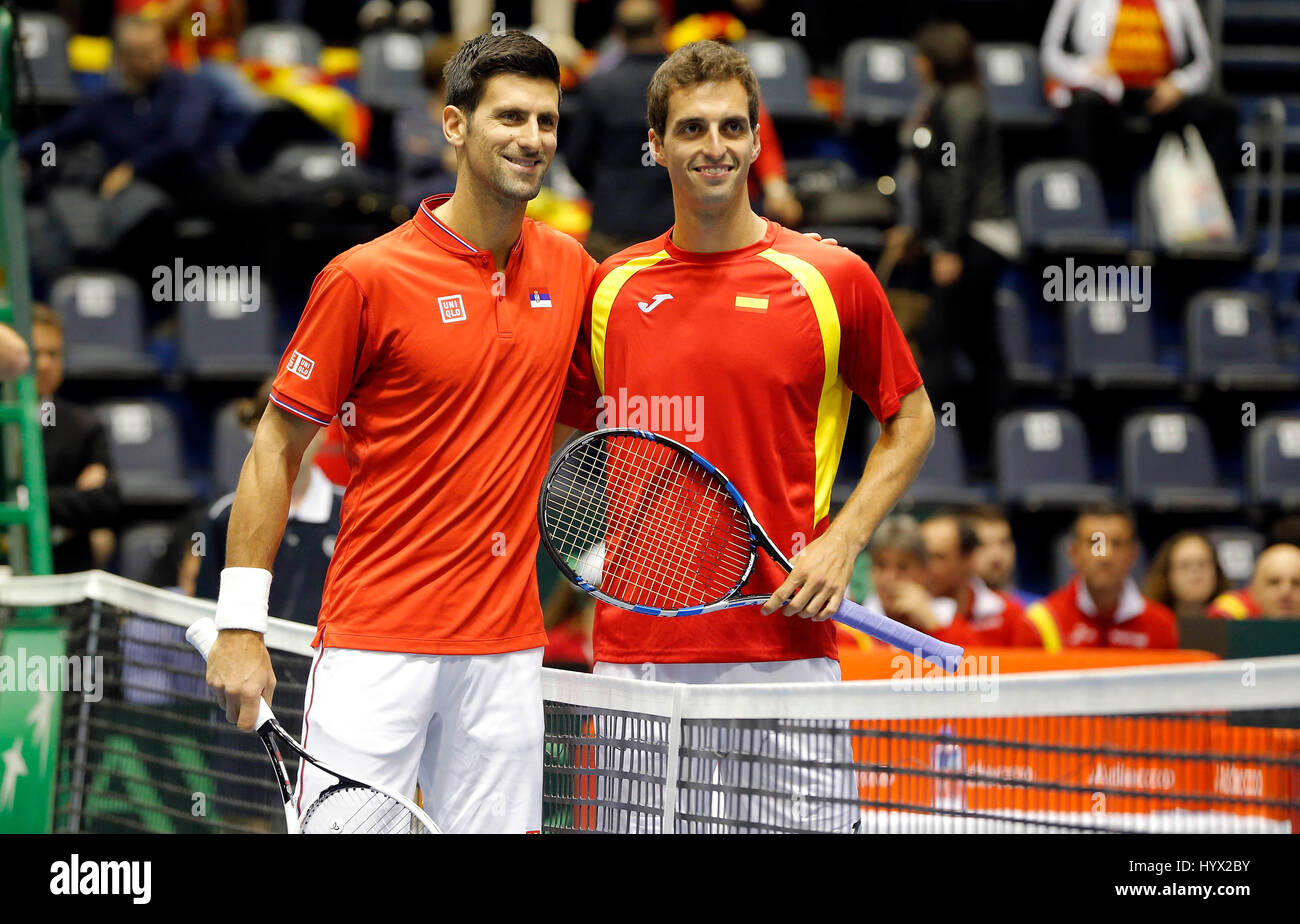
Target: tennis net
{"points": [[1187, 748]]}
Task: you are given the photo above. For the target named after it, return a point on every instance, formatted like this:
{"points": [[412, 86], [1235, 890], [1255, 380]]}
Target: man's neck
{"points": [[729, 228], [1105, 599], [486, 220]]}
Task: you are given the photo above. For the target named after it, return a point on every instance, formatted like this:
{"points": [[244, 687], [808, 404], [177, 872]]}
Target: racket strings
{"points": [[672, 536], [356, 809]]}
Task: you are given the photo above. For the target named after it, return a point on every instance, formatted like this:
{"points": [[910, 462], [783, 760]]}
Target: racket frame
{"points": [[758, 537]]}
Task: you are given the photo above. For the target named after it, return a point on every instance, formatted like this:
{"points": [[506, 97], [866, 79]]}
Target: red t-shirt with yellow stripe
{"points": [[749, 357]]}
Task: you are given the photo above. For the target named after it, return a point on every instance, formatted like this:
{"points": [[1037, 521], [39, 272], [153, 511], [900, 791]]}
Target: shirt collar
{"points": [[722, 256], [1131, 602], [985, 602], [317, 501], [438, 231]]}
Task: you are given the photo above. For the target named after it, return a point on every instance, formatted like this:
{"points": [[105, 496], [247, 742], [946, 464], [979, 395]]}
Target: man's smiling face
{"points": [[708, 142], [509, 141]]}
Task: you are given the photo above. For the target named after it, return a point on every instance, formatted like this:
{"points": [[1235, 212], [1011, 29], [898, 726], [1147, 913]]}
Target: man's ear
{"points": [[656, 148], [758, 145], [455, 125]]}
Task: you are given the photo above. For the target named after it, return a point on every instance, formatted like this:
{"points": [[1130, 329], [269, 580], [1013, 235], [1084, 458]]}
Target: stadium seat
{"points": [[144, 441], [220, 340], [1236, 548], [287, 44], [1013, 80], [230, 445], [1231, 342], [1273, 461], [44, 38], [103, 326], [141, 548], [1110, 345], [390, 75], [1060, 209], [943, 479], [1023, 367], [1043, 460], [1168, 463], [782, 68], [880, 80]]}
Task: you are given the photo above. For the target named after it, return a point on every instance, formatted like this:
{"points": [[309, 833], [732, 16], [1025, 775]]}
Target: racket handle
{"points": [[203, 635], [881, 627]]}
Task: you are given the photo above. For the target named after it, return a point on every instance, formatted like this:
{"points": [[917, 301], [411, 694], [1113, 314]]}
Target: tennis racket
{"points": [[345, 807], [642, 522]]}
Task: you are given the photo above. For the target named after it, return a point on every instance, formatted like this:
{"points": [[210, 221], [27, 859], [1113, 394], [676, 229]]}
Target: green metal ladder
{"points": [[29, 739]]}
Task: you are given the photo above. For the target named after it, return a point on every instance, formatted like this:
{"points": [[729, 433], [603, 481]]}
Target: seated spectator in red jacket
{"points": [[1185, 575], [995, 556], [1274, 591], [970, 613], [1101, 606]]}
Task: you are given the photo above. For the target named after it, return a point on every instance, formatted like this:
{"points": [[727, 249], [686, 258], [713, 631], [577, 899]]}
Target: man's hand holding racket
{"points": [[817, 585], [240, 674]]}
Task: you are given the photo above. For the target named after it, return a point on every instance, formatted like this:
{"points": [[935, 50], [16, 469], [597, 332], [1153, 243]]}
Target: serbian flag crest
{"points": [[539, 298]]}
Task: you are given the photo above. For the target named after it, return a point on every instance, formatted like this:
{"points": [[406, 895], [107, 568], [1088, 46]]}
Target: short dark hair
{"points": [[1106, 509], [484, 56], [696, 63], [967, 539], [44, 314], [987, 513], [949, 48]]}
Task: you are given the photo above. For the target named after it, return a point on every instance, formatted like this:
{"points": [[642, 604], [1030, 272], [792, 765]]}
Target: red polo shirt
{"points": [[446, 376], [1068, 618]]}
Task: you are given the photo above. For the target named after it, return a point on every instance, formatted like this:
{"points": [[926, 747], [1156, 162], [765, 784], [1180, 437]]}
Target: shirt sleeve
{"points": [[578, 403], [325, 357], [875, 359]]}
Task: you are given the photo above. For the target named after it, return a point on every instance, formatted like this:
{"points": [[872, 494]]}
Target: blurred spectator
{"points": [[83, 495], [426, 163], [315, 505], [14, 356], [970, 613], [1274, 590], [569, 615], [898, 573], [1101, 606], [1185, 575], [952, 182], [605, 140], [995, 556], [1134, 57]]}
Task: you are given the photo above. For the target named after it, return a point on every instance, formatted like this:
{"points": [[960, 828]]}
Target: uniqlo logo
{"points": [[452, 308], [301, 366]]}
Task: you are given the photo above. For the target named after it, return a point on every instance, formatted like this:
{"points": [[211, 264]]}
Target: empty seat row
{"points": [[1230, 342]]}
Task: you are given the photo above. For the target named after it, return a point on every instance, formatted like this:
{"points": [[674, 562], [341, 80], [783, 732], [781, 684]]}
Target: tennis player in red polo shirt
{"points": [[760, 336], [446, 341]]}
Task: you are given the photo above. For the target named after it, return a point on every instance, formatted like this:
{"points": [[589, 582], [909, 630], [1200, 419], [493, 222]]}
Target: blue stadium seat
{"points": [[283, 43], [220, 340], [144, 440], [1273, 461], [880, 80], [1043, 460], [140, 548], [44, 38], [1110, 345], [1168, 463], [782, 68], [1236, 548], [230, 445], [390, 74], [103, 326], [1060, 209], [1231, 342], [1023, 367], [1013, 79]]}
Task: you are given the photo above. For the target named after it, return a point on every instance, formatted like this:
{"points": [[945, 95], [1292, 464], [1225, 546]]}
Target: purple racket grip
{"points": [[881, 627]]}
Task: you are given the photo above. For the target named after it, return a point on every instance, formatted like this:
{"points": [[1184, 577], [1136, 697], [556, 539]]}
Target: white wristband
{"points": [[242, 599]]}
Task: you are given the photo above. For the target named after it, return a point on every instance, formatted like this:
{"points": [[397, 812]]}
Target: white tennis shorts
{"points": [[749, 779], [467, 728]]}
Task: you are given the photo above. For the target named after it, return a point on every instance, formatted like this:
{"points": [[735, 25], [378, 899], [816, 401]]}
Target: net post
{"points": [[672, 771]]}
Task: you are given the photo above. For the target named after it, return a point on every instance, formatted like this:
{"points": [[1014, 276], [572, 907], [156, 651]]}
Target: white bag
{"points": [[1186, 198]]}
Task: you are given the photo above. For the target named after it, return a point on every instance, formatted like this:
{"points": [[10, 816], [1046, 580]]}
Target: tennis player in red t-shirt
{"points": [[758, 336], [443, 348]]}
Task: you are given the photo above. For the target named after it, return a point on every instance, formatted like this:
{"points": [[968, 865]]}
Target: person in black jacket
{"points": [[604, 139], [953, 171], [83, 496]]}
